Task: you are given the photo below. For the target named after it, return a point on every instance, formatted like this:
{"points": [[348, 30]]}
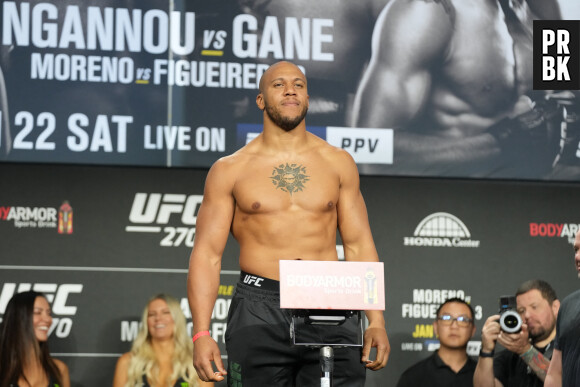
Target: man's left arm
{"points": [[357, 239], [519, 343], [554, 377]]}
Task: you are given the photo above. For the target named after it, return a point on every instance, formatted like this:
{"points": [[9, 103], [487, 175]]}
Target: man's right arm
{"points": [[396, 87], [484, 376], [212, 229]]}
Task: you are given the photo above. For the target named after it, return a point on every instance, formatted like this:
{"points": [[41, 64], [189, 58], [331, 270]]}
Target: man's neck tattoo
{"points": [[289, 178]]}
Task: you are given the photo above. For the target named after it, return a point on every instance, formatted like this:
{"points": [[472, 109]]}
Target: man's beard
{"points": [[540, 334], [286, 123]]}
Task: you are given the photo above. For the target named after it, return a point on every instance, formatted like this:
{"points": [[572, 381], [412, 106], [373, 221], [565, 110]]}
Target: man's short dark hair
{"points": [[458, 300], [547, 291]]}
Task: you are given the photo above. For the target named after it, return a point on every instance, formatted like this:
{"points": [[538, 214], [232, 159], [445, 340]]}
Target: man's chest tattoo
{"points": [[289, 178]]}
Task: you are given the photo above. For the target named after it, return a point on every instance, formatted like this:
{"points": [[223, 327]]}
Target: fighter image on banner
{"points": [[156, 84], [457, 90]]}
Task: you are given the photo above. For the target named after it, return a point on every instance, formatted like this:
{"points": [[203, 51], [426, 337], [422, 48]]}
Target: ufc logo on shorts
{"points": [[253, 280]]}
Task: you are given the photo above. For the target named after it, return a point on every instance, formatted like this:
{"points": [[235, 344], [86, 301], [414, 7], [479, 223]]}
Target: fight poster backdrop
{"points": [[158, 83], [130, 231]]}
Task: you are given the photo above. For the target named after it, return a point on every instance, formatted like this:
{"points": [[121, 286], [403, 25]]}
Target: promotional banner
{"points": [[157, 83], [100, 241]]}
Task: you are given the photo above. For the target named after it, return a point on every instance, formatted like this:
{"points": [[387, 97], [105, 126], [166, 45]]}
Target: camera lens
{"points": [[510, 322]]}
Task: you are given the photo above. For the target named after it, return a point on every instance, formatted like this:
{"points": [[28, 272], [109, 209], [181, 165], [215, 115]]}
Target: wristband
{"points": [[528, 353], [199, 334], [485, 354]]}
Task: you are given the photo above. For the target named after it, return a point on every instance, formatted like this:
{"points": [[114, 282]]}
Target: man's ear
{"points": [[260, 101], [435, 328], [556, 307]]}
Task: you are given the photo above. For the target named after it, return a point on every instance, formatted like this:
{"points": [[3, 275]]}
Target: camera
{"points": [[509, 319]]}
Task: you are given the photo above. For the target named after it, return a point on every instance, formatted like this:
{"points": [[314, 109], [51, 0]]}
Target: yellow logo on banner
{"points": [[371, 288]]}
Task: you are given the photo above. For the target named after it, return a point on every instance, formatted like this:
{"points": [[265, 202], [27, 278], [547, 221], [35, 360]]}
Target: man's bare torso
{"points": [[487, 67], [285, 206]]}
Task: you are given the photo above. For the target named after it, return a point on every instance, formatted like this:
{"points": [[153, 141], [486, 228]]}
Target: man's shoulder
{"points": [[237, 158], [573, 296], [571, 300], [223, 173], [325, 148], [414, 375], [428, 34], [428, 11], [421, 365]]}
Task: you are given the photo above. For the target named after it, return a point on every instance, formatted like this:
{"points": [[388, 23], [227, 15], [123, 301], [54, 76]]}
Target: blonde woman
{"points": [[161, 355]]}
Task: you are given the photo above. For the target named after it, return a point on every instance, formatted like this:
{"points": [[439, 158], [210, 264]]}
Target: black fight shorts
{"points": [[260, 350]]}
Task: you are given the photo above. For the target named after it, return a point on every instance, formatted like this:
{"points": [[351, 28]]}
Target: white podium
{"points": [[329, 294]]}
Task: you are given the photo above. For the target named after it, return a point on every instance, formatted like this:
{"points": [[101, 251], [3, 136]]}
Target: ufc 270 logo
{"points": [[174, 215], [57, 295], [556, 54]]}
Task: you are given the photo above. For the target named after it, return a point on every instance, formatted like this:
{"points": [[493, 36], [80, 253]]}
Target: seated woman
{"points": [[161, 355], [25, 359]]}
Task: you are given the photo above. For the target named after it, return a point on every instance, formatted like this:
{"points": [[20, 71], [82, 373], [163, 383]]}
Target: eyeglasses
{"points": [[462, 321]]}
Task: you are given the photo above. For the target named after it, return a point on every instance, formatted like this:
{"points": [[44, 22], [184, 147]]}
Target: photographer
{"points": [[528, 352]]}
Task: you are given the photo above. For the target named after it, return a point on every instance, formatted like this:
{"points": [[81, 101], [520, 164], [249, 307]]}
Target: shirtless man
{"points": [[282, 196], [453, 84]]}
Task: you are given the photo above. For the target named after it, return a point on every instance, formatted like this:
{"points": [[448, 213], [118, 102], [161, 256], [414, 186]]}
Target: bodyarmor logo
{"points": [[65, 218], [555, 230], [441, 229], [29, 217]]}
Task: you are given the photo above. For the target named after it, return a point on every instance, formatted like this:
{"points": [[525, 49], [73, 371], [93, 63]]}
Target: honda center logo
{"points": [[441, 229]]}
